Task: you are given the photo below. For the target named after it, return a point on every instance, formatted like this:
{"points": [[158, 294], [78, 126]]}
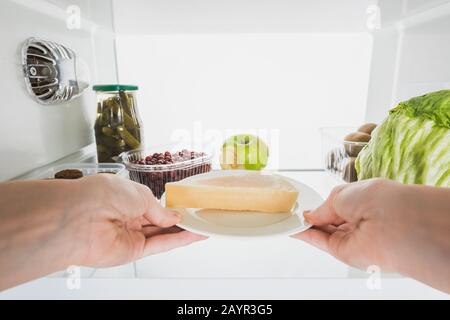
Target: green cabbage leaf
{"points": [[412, 145]]}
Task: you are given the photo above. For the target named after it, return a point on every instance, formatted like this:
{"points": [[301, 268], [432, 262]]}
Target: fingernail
{"points": [[308, 215]]}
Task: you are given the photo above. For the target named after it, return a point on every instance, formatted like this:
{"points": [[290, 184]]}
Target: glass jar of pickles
{"points": [[118, 127]]}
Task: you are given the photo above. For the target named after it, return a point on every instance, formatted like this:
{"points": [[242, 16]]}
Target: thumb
{"points": [[162, 217], [157, 215], [326, 214]]}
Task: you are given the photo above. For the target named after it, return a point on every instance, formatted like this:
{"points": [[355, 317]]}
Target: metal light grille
{"points": [[50, 71]]}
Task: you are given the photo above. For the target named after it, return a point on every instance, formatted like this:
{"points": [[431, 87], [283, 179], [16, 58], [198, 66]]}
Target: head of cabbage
{"points": [[412, 145]]}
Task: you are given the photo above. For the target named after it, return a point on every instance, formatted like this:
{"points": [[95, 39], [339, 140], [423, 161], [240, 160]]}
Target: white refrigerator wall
{"points": [[411, 53], [32, 134], [207, 69], [239, 16], [284, 87]]}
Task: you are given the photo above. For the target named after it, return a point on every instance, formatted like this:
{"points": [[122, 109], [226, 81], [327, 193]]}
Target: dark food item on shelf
{"points": [[69, 174], [334, 160], [330, 160], [338, 162], [354, 142], [349, 171], [341, 159], [165, 168], [353, 148]]}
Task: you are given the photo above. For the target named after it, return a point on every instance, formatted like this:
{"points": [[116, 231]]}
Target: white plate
{"points": [[213, 223]]}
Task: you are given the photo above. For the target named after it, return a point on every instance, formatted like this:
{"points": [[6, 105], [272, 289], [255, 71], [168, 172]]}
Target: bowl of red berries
{"points": [[155, 169]]}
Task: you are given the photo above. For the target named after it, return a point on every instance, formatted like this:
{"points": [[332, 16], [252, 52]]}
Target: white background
{"points": [[292, 66], [281, 69], [291, 83]]}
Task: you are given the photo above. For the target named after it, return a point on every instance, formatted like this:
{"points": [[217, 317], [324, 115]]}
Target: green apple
{"points": [[245, 152]]}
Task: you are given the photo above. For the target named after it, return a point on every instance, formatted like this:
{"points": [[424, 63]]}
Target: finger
{"points": [[132, 200], [329, 228], [359, 199], [346, 227], [150, 231], [315, 237], [340, 245], [326, 214], [138, 223], [134, 224], [158, 215], [166, 242], [144, 221]]}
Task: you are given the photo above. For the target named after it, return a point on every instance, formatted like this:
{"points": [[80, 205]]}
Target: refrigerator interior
{"points": [[208, 69], [35, 135]]}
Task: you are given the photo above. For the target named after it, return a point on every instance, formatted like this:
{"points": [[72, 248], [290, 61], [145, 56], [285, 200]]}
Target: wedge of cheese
{"points": [[243, 192]]}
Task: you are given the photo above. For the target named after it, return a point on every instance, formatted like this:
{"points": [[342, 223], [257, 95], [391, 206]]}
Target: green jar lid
{"points": [[114, 87]]}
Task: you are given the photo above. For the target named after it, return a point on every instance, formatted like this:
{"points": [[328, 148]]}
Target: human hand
{"points": [[351, 223], [399, 228], [120, 221]]}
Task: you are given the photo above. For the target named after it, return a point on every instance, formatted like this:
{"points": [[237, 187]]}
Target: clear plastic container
{"points": [[118, 126], [155, 176], [88, 169], [340, 155]]}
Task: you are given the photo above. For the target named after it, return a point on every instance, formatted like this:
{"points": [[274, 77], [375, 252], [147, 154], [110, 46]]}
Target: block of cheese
{"points": [[243, 192]]}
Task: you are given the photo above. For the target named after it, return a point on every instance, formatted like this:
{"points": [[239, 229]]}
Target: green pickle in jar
{"points": [[118, 127]]}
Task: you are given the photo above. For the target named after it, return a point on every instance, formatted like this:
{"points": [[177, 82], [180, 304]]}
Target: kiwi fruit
{"points": [[367, 128], [357, 137], [354, 142]]}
